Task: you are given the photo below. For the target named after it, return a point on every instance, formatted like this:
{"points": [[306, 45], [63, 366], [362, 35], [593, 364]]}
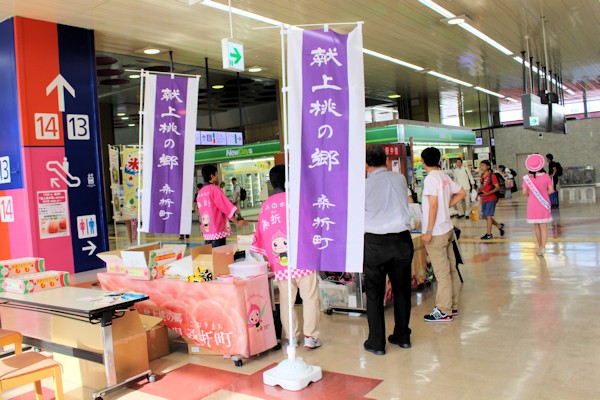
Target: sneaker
{"points": [[541, 252], [437, 316], [294, 342], [454, 313], [501, 229], [487, 236], [311, 342]]}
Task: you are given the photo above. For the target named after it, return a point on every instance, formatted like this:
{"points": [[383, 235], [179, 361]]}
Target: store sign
{"points": [[233, 55], [327, 149], [253, 150], [216, 138]]}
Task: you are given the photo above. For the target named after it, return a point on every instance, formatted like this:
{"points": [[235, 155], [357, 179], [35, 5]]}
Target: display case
{"points": [[576, 176]]}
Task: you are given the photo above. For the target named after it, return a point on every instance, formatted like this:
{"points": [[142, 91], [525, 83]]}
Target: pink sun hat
{"points": [[535, 162]]}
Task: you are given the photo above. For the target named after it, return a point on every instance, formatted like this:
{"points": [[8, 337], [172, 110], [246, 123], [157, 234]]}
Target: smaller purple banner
{"points": [[168, 154]]}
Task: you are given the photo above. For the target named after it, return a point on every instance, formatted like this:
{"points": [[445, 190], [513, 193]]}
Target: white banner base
{"points": [[292, 375]]}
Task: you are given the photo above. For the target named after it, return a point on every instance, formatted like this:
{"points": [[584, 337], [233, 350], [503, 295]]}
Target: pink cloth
{"points": [[270, 238], [230, 318], [536, 212], [214, 209]]}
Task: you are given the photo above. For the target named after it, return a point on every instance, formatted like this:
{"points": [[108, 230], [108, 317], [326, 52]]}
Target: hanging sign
{"points": [[327, 149], [233, 55], [170, 111]]}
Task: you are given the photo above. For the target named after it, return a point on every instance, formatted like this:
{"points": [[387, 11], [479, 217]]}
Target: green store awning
{"points": [[224, 154]]}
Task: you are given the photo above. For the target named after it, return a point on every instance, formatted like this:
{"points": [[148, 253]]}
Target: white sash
{"points": [[536, 192]]}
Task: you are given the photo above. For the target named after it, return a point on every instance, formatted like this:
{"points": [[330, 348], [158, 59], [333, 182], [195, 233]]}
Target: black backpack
{"points": [[513, 173], [242, 194], [559, 170]]}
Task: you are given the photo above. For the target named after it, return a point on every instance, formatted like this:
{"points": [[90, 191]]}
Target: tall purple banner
{"points": [[170, 112], [326, 115]]}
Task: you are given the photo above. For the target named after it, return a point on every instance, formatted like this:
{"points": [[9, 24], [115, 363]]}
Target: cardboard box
{"points": [[114, 259], [157, 337], [147, 262], [196, 349], [36, 282], [129, 344], [20, 266], [216, 260]]}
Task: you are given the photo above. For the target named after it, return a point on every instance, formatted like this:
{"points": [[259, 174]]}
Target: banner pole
{"points": [[140, 132]]}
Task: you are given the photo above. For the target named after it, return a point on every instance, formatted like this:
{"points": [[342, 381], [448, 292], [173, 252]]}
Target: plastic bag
{"points": [[473, 196]]}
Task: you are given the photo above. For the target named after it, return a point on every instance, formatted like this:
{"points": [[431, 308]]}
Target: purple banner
{"points": [[323, 204], [168, 149]]}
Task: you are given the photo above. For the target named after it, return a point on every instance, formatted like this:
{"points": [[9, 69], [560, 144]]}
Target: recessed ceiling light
{"points": [[131, 125], [120, 114], [124, 118], [134, 76], [394, 96], [216, 87], [151, 51], [255, 69], [459, 19]]}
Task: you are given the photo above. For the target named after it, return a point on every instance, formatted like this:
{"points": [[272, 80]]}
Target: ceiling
{"points": [[403, 29]]}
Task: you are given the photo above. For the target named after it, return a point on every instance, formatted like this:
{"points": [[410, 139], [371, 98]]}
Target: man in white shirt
{"points": [[463, 177], [388, 251], [439, 194]]}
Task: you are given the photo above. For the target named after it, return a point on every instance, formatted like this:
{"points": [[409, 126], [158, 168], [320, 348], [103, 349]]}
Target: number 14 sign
{"points": [[6, 209]]}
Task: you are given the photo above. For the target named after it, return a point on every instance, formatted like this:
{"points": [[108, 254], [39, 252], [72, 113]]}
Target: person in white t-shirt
{"points": [[439, 194]]}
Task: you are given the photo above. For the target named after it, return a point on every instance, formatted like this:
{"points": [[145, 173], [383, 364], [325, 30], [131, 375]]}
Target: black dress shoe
{"points": [[404, 343], [372, 350]]}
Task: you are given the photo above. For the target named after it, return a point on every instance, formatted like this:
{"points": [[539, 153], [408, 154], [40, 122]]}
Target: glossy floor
{"points": [[527, 330]]}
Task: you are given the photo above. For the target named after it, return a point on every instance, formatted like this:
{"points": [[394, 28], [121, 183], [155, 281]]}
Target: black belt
{"points": [[403, 233]]}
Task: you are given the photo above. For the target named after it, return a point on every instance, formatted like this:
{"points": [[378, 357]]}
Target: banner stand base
{"points": [[292, 375]]}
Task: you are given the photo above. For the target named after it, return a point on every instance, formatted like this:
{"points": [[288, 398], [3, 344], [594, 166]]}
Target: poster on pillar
{"points": [[58, 128], [170, 112], [327, 149]]}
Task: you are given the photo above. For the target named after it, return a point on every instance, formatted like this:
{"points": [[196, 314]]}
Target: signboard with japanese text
{"points": [[131, 173], [327, 149], [170, 111], [52, 67]]}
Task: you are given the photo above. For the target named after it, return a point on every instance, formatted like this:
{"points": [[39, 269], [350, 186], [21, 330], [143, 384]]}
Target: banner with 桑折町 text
{"points": [[327, 149], [170, 110]]}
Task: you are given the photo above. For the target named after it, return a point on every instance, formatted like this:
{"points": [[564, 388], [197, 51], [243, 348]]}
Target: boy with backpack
{"points": [[555, 171], [488, 188]]}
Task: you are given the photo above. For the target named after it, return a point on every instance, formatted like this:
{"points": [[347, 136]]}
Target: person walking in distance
{"points": [[388, 250], [538, 187], [464, 179], [488, 188], [555, 171], [236, 193], [439, 194]]}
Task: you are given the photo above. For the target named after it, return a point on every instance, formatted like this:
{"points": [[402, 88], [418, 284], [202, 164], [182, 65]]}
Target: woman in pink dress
{"points": [[537, 186]]}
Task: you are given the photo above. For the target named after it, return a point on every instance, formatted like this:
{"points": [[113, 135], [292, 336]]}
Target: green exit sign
{"points": [[534, 121], [233, 55]]}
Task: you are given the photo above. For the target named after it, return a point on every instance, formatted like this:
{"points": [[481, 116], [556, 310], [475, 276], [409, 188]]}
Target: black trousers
{"points": [[390, 254]]}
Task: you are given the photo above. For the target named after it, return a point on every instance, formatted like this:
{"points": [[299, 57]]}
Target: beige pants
{"points": [[441, 255], [309, 291], [464, 206]]}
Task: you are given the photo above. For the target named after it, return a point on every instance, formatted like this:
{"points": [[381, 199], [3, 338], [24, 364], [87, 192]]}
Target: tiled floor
{"points": [[527, 329]]}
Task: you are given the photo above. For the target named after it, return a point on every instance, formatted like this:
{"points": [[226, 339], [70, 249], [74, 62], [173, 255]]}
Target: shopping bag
{"points": [[473, 196], [475, 213]]}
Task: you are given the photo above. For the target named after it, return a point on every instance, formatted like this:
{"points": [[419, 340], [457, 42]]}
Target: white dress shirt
{"points": [[386, 206]]}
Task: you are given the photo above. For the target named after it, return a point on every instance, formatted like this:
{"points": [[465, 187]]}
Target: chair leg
{"points": [[38, 390], [58, 384]]}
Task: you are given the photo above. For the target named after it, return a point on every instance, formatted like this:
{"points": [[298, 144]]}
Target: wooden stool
{"points": [[23, 368]]}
